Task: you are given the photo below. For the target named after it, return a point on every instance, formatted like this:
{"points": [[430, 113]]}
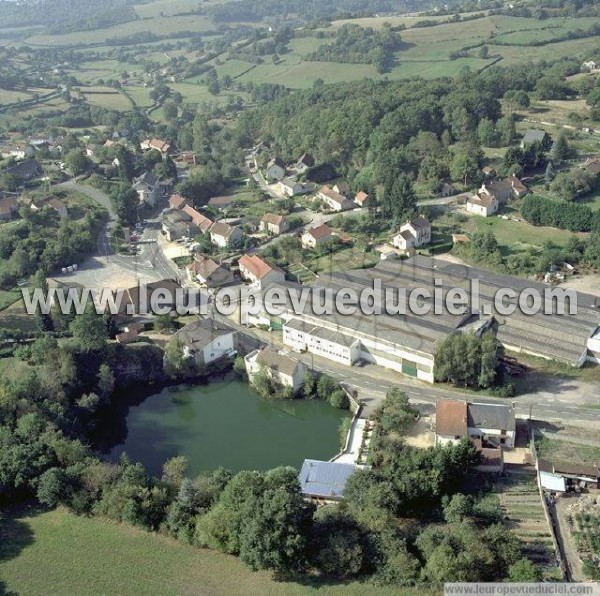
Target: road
{"points": [[149, 262]]}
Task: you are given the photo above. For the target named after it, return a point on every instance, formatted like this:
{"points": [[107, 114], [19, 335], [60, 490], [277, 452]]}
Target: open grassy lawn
{"points": [[140, 95], [8, 297], [167, 8], [558, 450], [347, 258], [159, 26], [106, 97], [15, 317], [60, 553], [513, 236]]}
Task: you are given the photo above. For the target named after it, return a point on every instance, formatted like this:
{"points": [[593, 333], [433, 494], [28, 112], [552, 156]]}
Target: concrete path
{"points": [[350, 455]]}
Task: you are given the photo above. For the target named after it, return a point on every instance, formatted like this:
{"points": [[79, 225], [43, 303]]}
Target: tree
{"points": [[126, 167], [563, 186], [486, 132], [77, 162], [484, 52], [506, 130], [170, 111], [126, 201], [399, 199], [175, 469], [549, 175], [106, 381], [524, 571], [560, 149], [458, 508], [10, 182], [89, 330]]}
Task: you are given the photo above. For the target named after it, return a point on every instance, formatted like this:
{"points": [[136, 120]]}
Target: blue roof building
{"points": [[324, 479]]}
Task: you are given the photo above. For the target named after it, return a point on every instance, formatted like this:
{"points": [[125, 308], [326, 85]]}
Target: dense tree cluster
{"points": [[576, 217], [355, 44]]}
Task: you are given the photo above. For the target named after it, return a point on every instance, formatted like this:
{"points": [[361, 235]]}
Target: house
{"points": [[274, 224], [592, 165], [222, 234], [221, 202], [52, 202], [109, 143], [317, 236], [26, 170], [489, 172], [159, 145], [334, 199], [460, 238], [206, 341], [342, 187], [414, 233], [447, 190], [504, 190], [488, 425], [187, 157], [291, 187], [130, 334], [304, 163], [177, 202], [208, 273], [18, 152], [281, 369], [90, 151], [275, 169], [362, 199], [148, 188], [9, 208], [533, 137], [258, 270], [324, 480], [176, 224], [482, 204], [203, 223]]}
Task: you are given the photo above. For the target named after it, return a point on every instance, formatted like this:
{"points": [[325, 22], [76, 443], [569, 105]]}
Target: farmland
{"points": [[77, 555]]}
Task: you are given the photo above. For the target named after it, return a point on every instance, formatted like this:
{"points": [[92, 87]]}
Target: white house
{"points": [[274, 223], [304, 163], [414, 233], [258, 270], [275, 169], [482, 204], [334, 200], [489, 425], [223, 235], [148, 188], [206, 341], [291, 187], [282, 369], [317, 236]]}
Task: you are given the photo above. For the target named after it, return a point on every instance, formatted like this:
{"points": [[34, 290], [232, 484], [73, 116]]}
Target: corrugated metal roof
{"points": [[324, 479]]}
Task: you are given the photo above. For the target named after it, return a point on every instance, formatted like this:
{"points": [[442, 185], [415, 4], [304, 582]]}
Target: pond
{"points": [[225, 423]]}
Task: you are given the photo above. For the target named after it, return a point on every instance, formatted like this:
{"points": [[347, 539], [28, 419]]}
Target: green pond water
{"points": [[224, 423]]}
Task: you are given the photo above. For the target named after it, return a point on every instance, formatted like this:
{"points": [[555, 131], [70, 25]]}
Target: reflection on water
{"points": [[224, 423]]}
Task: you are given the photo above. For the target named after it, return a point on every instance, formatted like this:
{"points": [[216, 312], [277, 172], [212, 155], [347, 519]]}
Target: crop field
{"points": [[106, 97], [167, 8], [523, 513], [59, 553], [159, 26], [558, 450]]}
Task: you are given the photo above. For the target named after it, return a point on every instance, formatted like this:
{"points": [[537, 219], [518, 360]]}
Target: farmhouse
{"points": [[482, 204], [275, 169], [282, 369], [504, 190], [221, 202], [258, 270], [208, 273], [223, 235], [324, 480], [592, 165], [199, 220], [206, 341], [489, 426], [274, 223], [317, 236], [561, 476], [334, 199]]}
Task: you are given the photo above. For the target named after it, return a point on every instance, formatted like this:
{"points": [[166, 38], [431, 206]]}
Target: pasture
{"points": [[57, 552]]}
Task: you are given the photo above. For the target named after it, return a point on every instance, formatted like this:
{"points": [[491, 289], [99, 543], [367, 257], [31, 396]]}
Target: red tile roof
{"points": [[451, 418], [199, 220], [320, 231], [177, 202], [256, 265]]}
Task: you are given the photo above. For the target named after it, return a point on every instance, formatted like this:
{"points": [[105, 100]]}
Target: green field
{"points": [[59, 553], [106, 97]]}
